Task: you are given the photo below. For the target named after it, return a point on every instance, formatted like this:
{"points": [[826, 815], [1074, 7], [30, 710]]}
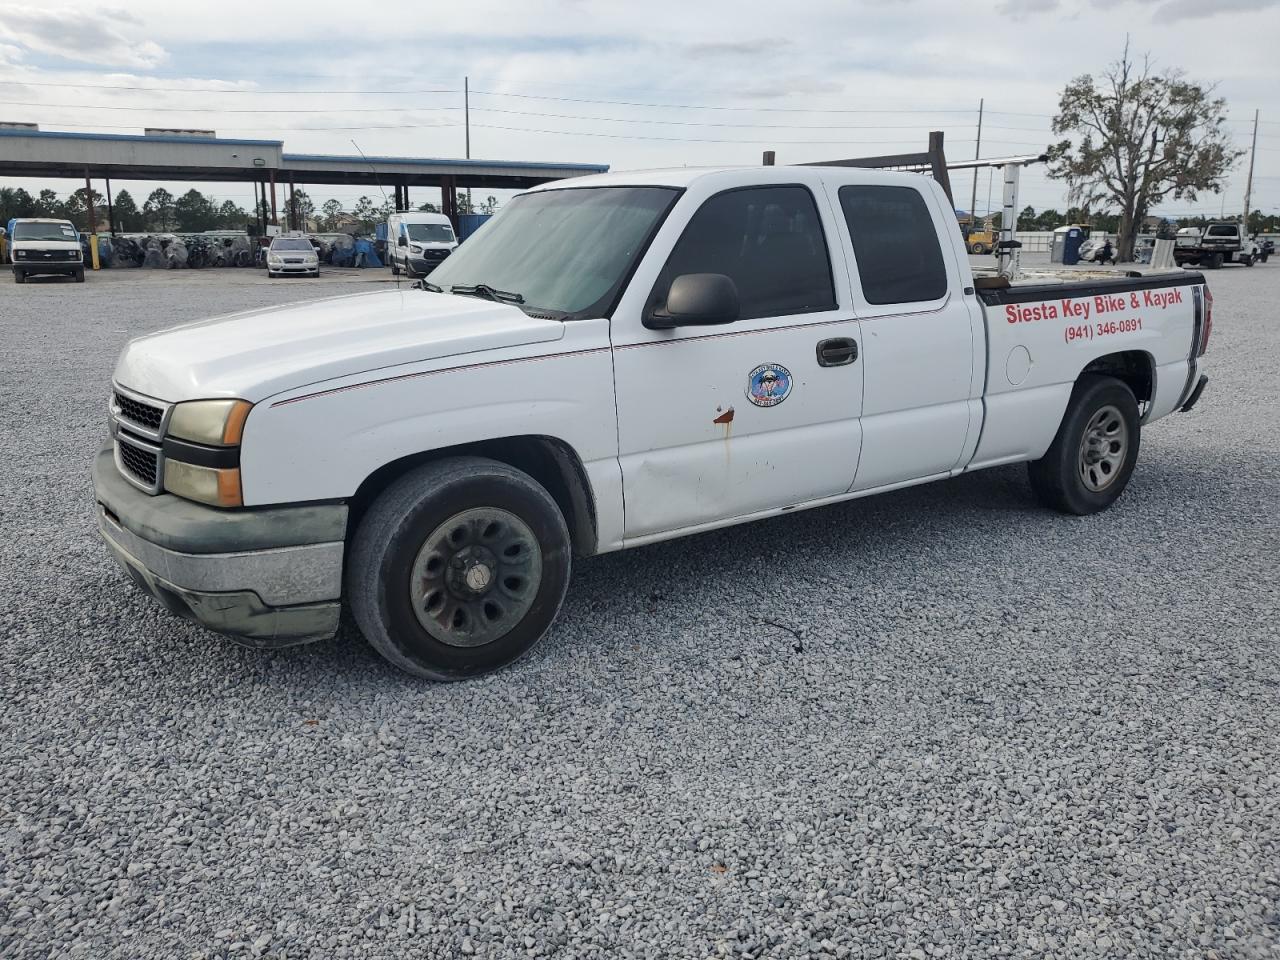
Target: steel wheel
{"points": [[475, 577], [1103, 448]]}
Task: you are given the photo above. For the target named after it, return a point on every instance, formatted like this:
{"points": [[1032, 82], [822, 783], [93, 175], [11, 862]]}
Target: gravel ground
{"points": [[935, 723]]}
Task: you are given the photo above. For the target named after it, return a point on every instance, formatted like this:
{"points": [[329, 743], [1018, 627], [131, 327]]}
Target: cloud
{"points": [[738, 48], [1176, 10], [1170, 12], [83, 34]]}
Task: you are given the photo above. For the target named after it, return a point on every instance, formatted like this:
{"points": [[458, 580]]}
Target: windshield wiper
{"points": [[429, 286], [486, 291]]}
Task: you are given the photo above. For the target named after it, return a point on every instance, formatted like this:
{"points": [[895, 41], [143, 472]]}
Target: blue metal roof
{"points": [[133, 137], [419, 161]]}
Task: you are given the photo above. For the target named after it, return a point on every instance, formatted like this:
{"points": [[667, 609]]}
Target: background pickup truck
{"points": [[611, 362], [1219, 243]]}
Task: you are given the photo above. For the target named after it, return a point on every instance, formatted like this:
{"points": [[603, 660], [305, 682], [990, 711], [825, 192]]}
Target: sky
{"points": [[633, 85]]}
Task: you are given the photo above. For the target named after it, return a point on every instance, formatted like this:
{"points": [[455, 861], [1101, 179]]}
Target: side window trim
{"points": [[820, 225]]}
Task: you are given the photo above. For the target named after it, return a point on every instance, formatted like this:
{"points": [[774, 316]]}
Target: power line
{"points": [[150, 89], [692, 106], [98, 106]]}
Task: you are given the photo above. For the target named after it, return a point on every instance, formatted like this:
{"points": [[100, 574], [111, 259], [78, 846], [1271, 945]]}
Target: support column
{"points": [[88, 202], [275, 218], [293, 206], [449, 199], [111, 214], [406, 196]]}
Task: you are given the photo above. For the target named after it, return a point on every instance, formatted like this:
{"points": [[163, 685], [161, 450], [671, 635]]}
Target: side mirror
{"points": [[696, 300], [402, 242]]}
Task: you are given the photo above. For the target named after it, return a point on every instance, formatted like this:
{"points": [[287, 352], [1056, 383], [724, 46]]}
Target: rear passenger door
{"points": [[922, 338], [726, 421]]}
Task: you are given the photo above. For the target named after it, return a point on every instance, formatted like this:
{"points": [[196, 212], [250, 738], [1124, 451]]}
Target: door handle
{"points": [[837, 352]]}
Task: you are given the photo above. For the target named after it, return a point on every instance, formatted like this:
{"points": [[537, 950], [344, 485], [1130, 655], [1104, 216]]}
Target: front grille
{"points": [[141, 463], [143, 414], [52, 255]]}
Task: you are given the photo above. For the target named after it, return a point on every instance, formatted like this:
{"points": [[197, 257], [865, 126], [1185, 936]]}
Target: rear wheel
{"points": [[1247, 260], [458, 568], [1089, 463], [978, 249], [1215, 261]]}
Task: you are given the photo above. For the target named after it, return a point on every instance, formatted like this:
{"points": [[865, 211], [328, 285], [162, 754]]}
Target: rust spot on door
{"points": [[726, 417]]}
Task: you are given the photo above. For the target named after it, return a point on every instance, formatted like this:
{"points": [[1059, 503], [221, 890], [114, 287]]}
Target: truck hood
{"points": [[257, 354]]}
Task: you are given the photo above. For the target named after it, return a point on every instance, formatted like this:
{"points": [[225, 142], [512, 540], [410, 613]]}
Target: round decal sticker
{"points": [[768, 384]]}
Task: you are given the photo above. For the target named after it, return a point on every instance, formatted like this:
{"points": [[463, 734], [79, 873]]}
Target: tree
{"points": [[195, 212], [331, 210], [232, 216], [127, 216], [365, 213], [15, 202], [48, 205], [83, 212], [159, 210], [1137, 138], [491, 203], [303, 208], [428, 208]]}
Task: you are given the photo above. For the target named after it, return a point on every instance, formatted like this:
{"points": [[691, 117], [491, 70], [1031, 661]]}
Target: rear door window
{"points": [[895, 244]]}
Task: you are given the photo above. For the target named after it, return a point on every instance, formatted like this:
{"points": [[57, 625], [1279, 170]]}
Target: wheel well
{"points": [[551, 462], [1132, 367]]}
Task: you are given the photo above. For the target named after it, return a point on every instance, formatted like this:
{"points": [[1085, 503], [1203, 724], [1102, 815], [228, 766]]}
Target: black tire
{"points": [[405, 516], [978, 249], [1215, 261], [1247, 261], [19, 277], [395, 269], [1058, 478], [79, 274]]}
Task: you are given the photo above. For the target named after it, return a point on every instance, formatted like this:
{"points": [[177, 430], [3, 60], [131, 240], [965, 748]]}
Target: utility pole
{"points": [[1248, 183], [977, 155]]}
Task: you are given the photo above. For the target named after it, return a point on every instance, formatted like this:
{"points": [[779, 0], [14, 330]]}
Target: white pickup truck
{"points": [[613, 361]]}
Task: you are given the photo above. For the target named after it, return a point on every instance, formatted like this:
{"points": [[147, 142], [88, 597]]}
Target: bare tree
{"points": [[1137, 138]]}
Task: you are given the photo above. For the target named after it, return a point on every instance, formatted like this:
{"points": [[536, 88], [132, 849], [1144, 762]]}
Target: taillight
{"points": [[1208, 322]]}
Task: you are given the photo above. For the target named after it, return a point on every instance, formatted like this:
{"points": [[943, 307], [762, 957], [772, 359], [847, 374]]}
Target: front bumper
{"points": [[267, 577], [36, 267], [307, 268], [421, 266]]}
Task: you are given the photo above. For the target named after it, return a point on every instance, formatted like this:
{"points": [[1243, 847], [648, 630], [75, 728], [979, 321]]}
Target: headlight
{"points": [[19, 254], [218, 423], [414, 248], [273, 258], [218, 487]]}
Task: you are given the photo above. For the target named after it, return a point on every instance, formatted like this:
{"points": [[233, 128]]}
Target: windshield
{"points": [[1222, 231], [292, 244], [567, 251], [429, 232], [44, 231]]}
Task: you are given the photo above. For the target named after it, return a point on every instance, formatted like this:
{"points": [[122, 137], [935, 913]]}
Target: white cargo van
{"points": [[40, 245], [417, 242]]}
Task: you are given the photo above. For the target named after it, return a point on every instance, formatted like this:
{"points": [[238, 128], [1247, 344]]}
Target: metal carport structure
{"points": [[179, 156]]}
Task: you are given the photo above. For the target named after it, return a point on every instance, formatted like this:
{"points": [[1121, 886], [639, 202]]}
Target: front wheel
{"points": [[1247, 260], [1089, 463], [19, 277], [79, 274], [458, 568]]}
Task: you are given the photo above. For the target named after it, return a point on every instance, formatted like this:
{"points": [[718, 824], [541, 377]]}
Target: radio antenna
{"points": [[378, 181]]}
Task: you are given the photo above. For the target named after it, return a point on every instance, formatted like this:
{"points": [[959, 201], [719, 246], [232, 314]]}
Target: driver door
{"points": [[722, 422]]}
